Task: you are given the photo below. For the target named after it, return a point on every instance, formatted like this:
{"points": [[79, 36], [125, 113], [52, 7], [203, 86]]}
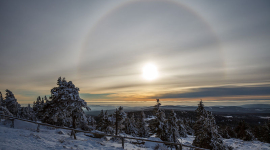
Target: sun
{"points": [[150, 72]]}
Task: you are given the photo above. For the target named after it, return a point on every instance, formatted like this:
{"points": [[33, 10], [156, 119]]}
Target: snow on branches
{"points": [[65, 105], [11, 103]]}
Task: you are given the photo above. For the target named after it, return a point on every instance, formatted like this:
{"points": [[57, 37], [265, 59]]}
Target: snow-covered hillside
{"points": [[24, 136]]}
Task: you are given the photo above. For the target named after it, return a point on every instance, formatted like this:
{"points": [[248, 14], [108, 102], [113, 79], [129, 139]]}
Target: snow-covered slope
{"points": [[24, 136], [237, 144]]}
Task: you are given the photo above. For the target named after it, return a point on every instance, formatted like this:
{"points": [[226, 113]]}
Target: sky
{"points": [[217, 51]]}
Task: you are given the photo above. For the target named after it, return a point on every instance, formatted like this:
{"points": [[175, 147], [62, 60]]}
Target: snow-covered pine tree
{"points": [[105, 123], [38, 108], [159, 125], [91, 121], [182, 128], [119, 116], [11, 103], [130, 126], [45, 98], [143, 130], [206, 131], [266, 132], [26, 112], [188, 123], [243, 132], [173, 133], [100, 120], [65, 105], [223, 131], [2, 102]]}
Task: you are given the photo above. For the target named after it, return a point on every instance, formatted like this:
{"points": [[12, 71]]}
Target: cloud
{"points": [[95, 96], [219, 92]]}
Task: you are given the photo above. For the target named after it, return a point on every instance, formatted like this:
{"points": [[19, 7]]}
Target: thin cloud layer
{"points": [[102, 47]]}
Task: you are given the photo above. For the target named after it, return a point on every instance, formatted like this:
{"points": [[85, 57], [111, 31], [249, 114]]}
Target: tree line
{"points": [[65, 108]]}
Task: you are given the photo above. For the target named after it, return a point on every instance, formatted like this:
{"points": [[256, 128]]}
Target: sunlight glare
{"points": [[150, 72]]}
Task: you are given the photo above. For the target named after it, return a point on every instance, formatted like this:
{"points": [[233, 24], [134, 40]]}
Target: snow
{"points": [[149, 118], [24, 136], [265, 117], [228, 116], [237, 144], [152, 144]]}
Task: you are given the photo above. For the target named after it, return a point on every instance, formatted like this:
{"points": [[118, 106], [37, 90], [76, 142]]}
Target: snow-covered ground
{"points": [[237, 144], [24, 136]]}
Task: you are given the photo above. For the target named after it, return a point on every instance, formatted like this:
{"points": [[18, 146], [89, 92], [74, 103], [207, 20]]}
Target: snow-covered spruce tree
{"points": [[105, 123], [206, 131], [91, 121], [119, 116], [159, 125], [11, 103], [182, 128], [100, 120], [266, 132], [130, 126], [143, 130], [38, 107], [2, 102], [65, 105], [188, 123], [223, 131], [26, 112], [243, 132], [173, 133]]}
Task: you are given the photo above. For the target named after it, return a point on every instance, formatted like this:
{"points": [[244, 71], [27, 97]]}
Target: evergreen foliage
{"points": [[173, 132], [159, 126], [105, 123], [143, 130], [91, 121], [119, 116], [11, 103], [65, 105], [27, 113], [38, 107], [266, 132], [243, 132], [182, 128], [130, 126], [206, 130], [2, 102]]}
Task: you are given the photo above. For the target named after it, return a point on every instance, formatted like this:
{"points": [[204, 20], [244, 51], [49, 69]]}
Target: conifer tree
{"points": [[11, 103], [65, 105], [173, 133], [206, 130], [182, 128], [143, 130], [119, 116], [105, 123], [2, 102], [243, 132], [130, 126], [159, 125], [38, 108], [91, 121], [26, 112], [266, 132], [99, 120]]}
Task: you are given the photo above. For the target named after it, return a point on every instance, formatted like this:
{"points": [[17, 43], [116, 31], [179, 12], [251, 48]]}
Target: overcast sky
{"points": [[210, 50]]}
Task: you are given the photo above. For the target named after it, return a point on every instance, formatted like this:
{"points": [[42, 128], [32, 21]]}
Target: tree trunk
{"points": [[116, 123], [74, 121]]}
